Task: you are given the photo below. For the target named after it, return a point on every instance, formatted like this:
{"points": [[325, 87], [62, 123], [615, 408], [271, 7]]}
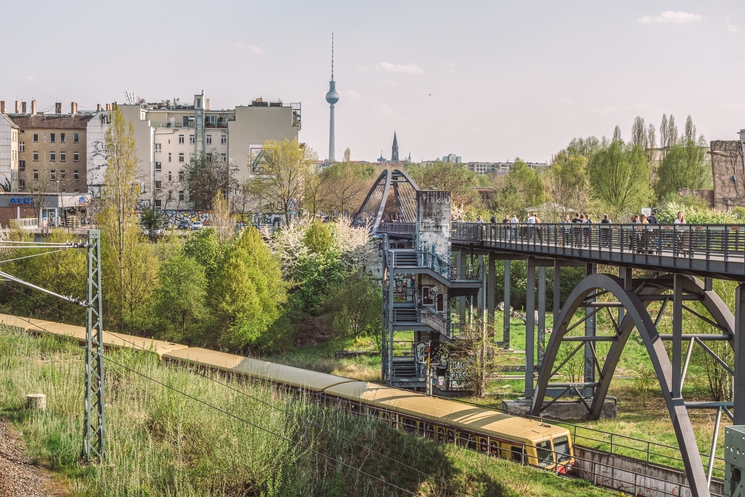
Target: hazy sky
{"points": [[488, 80]]}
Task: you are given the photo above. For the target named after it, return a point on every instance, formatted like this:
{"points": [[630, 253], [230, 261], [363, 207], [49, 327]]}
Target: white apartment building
{"points": [[500, 168], [168, 135], [8, 152]]}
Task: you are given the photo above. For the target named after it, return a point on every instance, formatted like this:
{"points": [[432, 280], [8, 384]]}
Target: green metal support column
{"points": [[94, 423], [507, 314], [589, 332], [530, 328]]}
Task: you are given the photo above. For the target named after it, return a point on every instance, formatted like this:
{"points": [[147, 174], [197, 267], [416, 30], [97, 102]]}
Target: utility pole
{"points": [[94, 423]]}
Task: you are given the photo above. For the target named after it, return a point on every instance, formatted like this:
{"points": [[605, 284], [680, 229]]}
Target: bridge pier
{"points": [[507, 313]]}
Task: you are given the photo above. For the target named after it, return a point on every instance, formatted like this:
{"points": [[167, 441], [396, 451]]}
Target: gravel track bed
{"points": [[18, 477]]}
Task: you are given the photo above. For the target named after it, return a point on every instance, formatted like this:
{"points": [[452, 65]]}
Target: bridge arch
{"points": [[635, 302], [379, 202]]}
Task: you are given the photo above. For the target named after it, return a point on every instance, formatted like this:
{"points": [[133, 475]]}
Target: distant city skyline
{"points": [[483, 80]]}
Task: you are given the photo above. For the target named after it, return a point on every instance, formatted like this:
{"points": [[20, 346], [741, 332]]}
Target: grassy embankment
{"points": [[161, 442], [642, 413]]}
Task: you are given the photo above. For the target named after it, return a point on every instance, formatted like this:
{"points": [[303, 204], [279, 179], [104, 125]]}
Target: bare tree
{"points": [[664, 140], [221, 218], [617, 134], [639, 133]]}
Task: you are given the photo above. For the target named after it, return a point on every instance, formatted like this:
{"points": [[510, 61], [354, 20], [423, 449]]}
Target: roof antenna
{"points": [[332, 56]]}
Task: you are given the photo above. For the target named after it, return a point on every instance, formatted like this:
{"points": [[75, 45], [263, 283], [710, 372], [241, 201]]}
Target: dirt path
{"points": [[18, 477]]}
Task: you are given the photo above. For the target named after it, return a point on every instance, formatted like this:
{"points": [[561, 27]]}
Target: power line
{"points": [[245, 394]]}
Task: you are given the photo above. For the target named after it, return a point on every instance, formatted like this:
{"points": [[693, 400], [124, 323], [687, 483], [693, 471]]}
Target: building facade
{"points": [[169, 135], [8, 152], [52, 150], [500, 168]]}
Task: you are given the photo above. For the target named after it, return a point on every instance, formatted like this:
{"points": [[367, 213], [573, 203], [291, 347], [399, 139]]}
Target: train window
{"points": [[561, 447], [483, 446], [394, 420], [451, 436], [420, 428], [471, 442], [429, 431], [409, 425], [545, 454], [517, 453], [440, 434], [494, 449], [463, 439]]}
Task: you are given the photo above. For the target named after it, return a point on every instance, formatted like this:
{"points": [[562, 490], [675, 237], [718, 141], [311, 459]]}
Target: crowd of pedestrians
{"points": [[577, 231]]}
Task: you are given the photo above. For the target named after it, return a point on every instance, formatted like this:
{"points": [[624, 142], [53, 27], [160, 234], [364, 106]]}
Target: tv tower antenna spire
{"points": [[332, 97]]}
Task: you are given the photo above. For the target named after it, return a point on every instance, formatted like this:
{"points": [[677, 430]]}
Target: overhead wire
{"points": [[245, 394], [243, 420]]}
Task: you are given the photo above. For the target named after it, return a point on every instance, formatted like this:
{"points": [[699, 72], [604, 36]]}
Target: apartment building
{"points": [[169, 134], [8, 152], [52, 150]]}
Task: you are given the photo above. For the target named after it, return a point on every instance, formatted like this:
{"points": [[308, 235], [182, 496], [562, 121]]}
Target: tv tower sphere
{"points": [[332, 96]]}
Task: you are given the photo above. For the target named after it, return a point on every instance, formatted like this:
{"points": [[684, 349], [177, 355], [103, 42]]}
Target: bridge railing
{"points": [[711, 241]]}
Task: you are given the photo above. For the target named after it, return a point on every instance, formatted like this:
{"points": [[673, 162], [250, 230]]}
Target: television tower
{"points": [[332, 97]]}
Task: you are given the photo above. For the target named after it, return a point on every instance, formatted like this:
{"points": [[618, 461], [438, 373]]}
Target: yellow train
{"points": [[483, 430]]}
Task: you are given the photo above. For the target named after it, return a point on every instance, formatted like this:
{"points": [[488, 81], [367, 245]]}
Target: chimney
{"points": [[98, 107], [23, 107], [33, 107], [108, 107], [74, 108], [18, 107], [2, 106], [58, 108]]}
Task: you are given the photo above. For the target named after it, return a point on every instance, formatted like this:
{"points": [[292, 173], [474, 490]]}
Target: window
{"points": [[169, 156], [75, 138], [22, 165], [52, 156], [36, 138], [169, 175], [192, 139], [545, 455], [209, 139], [181, 176], [52, 175], [158, 167], [76, 175], [35, 156], [224, 157], [561, 447], [158, 204], [75, 156], [36, 174], [21, 183], [52, 137], [223, 139], [22, 147], [62, 175], [181, 195], [181, 139], [181, 157], [157, 147], [62, 138], [62, 156], [158, 185]]}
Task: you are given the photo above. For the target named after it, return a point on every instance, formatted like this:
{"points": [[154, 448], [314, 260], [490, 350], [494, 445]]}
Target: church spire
{"points": [[394, 149]]}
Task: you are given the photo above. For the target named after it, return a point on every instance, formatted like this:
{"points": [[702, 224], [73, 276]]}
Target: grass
{"points": [[161, 442]]}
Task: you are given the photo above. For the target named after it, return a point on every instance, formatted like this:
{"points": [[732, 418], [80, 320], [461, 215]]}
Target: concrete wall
{"points": [[729, 173], [96, 158], [632, 476]]}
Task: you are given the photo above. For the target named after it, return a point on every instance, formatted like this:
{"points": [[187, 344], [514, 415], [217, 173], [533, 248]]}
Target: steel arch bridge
{"points": [[380, 207]]}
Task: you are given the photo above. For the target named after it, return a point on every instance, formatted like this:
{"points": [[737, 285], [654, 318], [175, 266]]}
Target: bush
{"points": [[694, 214]]}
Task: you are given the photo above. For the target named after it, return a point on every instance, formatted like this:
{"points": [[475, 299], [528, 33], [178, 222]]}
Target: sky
{"points": [[485, 80]]}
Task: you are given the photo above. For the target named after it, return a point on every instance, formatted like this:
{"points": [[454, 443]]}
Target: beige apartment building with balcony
{"points": [[169, 134]]}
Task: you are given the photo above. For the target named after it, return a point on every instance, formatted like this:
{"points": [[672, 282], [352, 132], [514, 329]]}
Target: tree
{"points": [[450, 176], [317, 237], [342, 189], [205, 175], [130, 267], [221, 218], [246, 292], [204, 247], [280, 177], [152, 220], [569, 182], [619, 177], [180, 297], [617, 134], [684, 166], [347, 155], [639, 133]]}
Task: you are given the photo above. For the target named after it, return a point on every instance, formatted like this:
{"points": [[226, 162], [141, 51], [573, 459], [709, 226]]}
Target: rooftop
{"points": [[55, 121]]}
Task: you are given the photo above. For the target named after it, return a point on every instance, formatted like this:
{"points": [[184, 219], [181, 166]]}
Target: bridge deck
{"points": [[702, 250]]}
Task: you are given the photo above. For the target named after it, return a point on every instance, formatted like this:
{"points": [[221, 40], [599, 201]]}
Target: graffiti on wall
{"points": [[433, 229]]}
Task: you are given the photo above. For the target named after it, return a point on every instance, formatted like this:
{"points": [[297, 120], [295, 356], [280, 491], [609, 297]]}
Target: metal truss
{"points": [[94, 423], [404, 199], [632, 300]]}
